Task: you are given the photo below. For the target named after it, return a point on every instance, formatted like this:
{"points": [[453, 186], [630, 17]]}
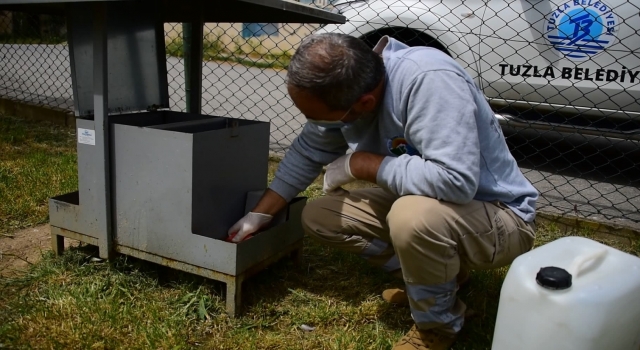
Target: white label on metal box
{"points": [[87, 136]]}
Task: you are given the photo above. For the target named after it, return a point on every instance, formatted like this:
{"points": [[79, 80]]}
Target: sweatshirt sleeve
{"points": [[313, 148], [441, 125]]}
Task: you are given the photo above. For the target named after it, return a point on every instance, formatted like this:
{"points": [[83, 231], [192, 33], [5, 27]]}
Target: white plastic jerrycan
{"points": [[572, 293]]}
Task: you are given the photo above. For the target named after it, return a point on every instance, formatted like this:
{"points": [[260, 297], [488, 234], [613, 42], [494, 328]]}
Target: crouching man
{"points": [[449, 196]]}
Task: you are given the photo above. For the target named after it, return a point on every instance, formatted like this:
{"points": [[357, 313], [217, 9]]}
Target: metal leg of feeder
{"points": [[234, 295], [101, 120], [57, 244], [234, 283], [193, 65]]}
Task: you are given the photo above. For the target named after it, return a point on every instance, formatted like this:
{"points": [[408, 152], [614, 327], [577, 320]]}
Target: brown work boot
{"points": [[424, 340], [395, 296], [399, 296]]}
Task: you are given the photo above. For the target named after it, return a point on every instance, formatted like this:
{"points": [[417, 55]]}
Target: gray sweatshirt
{"points": [[436, 129]]}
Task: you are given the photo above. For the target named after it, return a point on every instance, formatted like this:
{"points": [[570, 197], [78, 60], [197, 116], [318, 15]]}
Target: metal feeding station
{"points": [[155, 184]]}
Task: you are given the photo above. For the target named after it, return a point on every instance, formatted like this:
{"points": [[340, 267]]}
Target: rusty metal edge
{"points": [[178, 265], [205, 272], [201, 271], [55, 230]]}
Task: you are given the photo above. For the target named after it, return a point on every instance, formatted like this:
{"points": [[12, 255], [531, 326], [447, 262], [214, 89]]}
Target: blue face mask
{"points": [[336, 124], [331, 124]]}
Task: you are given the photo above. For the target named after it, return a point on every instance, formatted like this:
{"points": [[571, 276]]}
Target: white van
{"points": [[573, 66]]}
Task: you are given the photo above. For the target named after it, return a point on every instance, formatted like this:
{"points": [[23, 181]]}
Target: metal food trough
{"points": [[155, 184]]}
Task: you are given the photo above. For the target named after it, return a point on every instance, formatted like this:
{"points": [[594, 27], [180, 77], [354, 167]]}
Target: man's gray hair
{"points": [[336, 68]]}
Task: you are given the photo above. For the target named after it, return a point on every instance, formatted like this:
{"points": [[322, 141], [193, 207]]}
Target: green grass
{"points": [[214, 50], [73, 302], [31, 40], [37, 161]]}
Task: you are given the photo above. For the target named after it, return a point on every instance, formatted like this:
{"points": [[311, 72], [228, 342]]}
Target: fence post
{"points": [[186, 49], [193, 37]]}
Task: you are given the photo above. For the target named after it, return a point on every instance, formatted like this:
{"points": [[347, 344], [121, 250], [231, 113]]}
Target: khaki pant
{"points": [[422, 240]]}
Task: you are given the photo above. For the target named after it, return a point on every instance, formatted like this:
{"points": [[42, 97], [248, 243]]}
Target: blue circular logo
{"points": [[580, 29]]}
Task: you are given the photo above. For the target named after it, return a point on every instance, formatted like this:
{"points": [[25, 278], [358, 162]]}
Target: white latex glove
{"points": [[249, 224], [338, 174]]}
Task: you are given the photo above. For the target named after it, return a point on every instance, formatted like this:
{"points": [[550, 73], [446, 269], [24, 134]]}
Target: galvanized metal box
{"points": [[174, 172], [179, 181]]}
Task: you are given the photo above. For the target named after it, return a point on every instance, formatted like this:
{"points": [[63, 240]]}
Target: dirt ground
{"points": [[22, 248]]}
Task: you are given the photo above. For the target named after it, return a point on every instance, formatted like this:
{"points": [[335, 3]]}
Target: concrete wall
{"points": [[29, 25], [6, 23], [31, 111]]}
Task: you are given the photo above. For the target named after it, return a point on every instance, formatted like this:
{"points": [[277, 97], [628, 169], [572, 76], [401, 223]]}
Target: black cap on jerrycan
{"points": [[554, 278]]}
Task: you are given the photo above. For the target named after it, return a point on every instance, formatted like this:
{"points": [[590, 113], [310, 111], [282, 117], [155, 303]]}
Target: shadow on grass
{"points": [[340, 276], [323, 272], [328, 285], [327, 276]]}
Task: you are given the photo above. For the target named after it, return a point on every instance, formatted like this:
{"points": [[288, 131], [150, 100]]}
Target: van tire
{"points": [[407, 36]]}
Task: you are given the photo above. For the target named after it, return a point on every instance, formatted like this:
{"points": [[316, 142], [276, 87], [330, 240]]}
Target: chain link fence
{"points": [[562, 76]]}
